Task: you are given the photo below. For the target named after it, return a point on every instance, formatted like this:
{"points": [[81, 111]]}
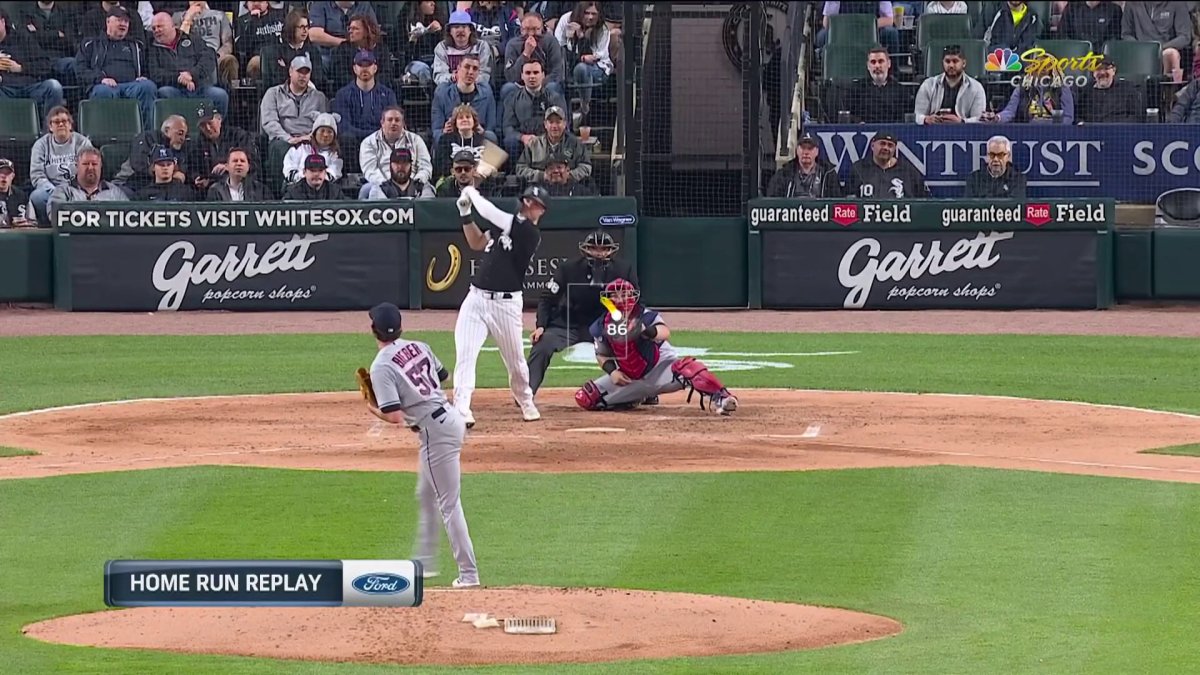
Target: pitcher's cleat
{"points": [[459, 583]]}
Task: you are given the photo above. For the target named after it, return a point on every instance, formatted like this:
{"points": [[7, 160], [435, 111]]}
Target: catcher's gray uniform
{"points": [[635, 355], [404, 377]]}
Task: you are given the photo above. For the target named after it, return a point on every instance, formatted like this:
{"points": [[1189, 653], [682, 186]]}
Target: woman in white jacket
{"points": [[323, 141], [52, 162], [584, 38]]}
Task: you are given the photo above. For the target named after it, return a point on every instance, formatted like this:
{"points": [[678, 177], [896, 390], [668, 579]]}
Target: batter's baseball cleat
{"points": [[530, 412], [459, 583], [469, 419], [725, 405]]}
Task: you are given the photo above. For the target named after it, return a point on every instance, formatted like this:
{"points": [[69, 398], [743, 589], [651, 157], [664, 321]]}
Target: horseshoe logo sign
{"points": [[451, 274]]}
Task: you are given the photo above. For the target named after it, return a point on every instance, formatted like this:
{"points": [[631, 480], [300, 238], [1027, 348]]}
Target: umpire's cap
{"points": [[538, 194], [385, 321]]}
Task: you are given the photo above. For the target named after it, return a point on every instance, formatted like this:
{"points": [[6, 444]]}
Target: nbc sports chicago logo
{"points": [[1037, 67]]}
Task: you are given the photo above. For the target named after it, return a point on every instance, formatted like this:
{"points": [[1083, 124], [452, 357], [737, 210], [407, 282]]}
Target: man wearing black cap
{"points": [[495, 299], [463, 166], [1109, 99], [571, 300], [313, 187], [114, 64], [556, 140], [165, 188], [401, 184], [809, 176], [208, 159], [886, 175], [15, 209], [406, 379], [558, 179]]}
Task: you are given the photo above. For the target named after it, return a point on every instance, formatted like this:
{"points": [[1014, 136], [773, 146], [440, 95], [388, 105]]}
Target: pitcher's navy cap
{"points": [[385, 320]]}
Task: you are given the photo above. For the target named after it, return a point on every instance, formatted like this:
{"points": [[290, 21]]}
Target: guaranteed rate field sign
{"points": [[263, 583]]}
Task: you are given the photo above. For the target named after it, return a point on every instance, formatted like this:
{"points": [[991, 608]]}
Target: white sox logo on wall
{"points": [[733, 32]]}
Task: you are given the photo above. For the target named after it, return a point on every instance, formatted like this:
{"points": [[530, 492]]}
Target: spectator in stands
{"points": [[532, 166], [87, 185], [374, 154], [525, 109], [464, 91], [55, 34], [889, 37], [460, 41], [213, 28], [1035, 102], [322, 141], [360, 104], [401, 183], [999, 179], [25, 70], [259, 26], [364, 37], [164, 187], [1187, 105], [533, 44], [946, 7], [236, 184], [1014, 27], [331, 23], [314, 186], [953, 96], [95, 21], [809, 176], [1096, 22], [15, 208], [549, 10], [172, 135], [495, 23], [1167, 23], [464, 168], [560, 183], [463, 131], [879, 99], [183, 66], [426, 25], [293, 42], [114, 65], [54, 157], [885, 175], [209, 159], [1108, 99], [288, 112], [584, 39]]}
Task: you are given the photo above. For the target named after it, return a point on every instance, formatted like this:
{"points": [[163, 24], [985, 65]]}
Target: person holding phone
{"points": [[953, 97]]}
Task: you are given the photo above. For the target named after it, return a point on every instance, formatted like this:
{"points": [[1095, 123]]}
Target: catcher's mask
{"points": [[599, 246], [385, 321], [623, 294]]}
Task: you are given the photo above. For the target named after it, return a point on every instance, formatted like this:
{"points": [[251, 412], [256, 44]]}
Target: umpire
{"points": [[571, 301]]}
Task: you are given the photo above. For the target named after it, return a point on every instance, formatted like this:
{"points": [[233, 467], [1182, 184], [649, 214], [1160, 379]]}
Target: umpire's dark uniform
{"points": [[584, 278]]}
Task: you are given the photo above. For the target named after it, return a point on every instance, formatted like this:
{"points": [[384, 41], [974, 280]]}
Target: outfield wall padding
{"points": [[26, 266], [1177, 263]]}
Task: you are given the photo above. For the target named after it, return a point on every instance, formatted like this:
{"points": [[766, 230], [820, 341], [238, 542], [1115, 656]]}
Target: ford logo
{"points": [[380, 583], [627, 219]]}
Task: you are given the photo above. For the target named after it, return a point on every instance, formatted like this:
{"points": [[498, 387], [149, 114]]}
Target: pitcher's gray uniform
{"points": [[406, 377]]}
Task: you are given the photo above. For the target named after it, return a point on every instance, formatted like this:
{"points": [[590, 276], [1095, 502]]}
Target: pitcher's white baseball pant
{"points": [[486, 313]]}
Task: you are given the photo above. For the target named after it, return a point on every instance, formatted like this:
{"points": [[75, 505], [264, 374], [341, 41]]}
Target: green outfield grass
{"points": [[989, 571], [6, 451], [1190, 450]]}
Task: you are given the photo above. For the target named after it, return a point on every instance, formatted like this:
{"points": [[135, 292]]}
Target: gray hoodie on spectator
{"points": [[548, 51], [72, 192], [52, 163], [284, 114], [1167, 22], [525, 111], [531, 166]]}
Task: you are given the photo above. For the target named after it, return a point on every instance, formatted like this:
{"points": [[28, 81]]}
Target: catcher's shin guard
{"points": [[695, 376], [589, 397]]}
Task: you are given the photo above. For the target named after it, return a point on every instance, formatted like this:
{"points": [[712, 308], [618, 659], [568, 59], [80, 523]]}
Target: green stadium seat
{"points": [[942, 27], [109, 120], [1135, 59], [1067, 49], [113, 155], [845, 62], [19, 120], [188, 107], [975, 51], [852, 30]]}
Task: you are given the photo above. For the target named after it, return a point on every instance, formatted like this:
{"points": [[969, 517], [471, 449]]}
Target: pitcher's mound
{"points": [[593, 625]]}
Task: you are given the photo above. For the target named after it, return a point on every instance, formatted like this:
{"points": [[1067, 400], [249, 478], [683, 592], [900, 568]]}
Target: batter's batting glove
{"points": [[464, 205]]}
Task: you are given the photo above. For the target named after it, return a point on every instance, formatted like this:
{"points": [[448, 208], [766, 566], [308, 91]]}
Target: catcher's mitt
{"points": [[364, 386]]}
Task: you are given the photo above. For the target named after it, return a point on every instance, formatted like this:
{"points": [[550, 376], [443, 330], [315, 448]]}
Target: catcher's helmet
{"points": [[623, 294], [599, 239], [538, 194]]}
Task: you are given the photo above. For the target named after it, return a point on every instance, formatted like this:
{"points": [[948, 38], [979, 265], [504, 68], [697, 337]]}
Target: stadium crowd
{"points": [[944, 62], [259, 100]]}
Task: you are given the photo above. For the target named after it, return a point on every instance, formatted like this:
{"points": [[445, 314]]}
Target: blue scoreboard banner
{"points": [[1127, 162]]}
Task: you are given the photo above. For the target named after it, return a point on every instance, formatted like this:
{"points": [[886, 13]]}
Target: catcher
{"points": [[639, 362], [404, 386]]}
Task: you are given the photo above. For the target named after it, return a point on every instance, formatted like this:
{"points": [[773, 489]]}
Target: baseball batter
{"points": [[495, 299], [406, 378], [639, 361]]}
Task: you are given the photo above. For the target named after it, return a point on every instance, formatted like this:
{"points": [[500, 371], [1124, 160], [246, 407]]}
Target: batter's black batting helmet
{"points": [[599, 239], [538, 194]]}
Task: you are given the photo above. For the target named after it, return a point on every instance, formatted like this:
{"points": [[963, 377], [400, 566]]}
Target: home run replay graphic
{"points": [[263, 583]]}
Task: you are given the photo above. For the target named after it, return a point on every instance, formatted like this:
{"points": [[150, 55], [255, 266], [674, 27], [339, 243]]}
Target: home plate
{"points": [[599, 429]]}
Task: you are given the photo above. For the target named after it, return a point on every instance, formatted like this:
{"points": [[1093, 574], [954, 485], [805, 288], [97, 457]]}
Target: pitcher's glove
{"points": [[365, 388]]}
